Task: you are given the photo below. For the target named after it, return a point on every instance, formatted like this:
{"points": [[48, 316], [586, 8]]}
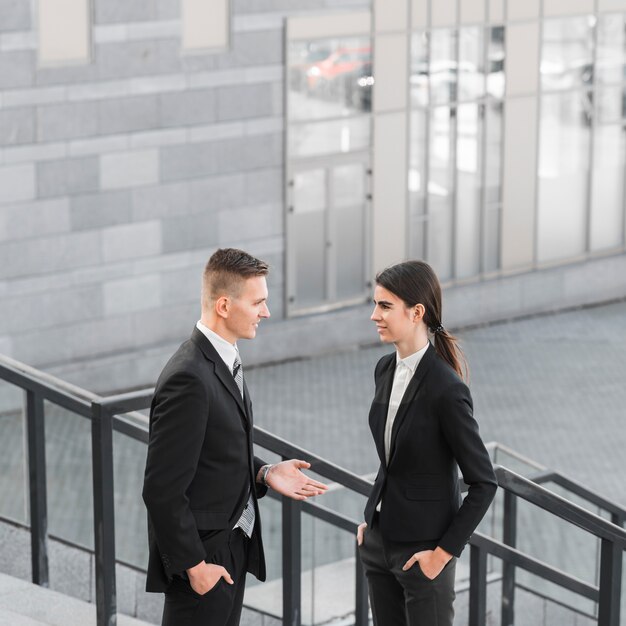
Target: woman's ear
{"points": [[418, 312]]}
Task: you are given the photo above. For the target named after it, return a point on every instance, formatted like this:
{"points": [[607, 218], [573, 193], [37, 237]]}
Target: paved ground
{"points": [[551, 387]]}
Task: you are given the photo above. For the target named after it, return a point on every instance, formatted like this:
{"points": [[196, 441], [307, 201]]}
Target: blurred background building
{"points": [[330, 137]]}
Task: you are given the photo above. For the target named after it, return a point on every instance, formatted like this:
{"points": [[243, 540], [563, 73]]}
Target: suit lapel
{"points": [[246, 401], [381, 402], [409, 395], [221, 370]]}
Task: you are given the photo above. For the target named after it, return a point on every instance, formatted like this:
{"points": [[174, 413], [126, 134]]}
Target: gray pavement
{"points": [[552, 387]]}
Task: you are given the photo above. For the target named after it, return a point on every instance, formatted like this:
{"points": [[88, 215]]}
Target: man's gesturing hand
{"points": [[204, 576], [287, 479]]}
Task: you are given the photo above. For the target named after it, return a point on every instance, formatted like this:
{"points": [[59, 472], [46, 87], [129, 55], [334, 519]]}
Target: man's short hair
{"points": [[226, 271]]}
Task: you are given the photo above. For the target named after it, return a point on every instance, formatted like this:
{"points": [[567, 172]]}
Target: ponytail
{"points": [[448, 349]]}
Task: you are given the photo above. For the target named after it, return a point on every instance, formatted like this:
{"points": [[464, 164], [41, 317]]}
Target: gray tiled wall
{"points": [[119, 177]]}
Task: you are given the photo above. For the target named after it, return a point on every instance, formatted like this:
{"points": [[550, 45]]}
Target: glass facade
{"points": [[574, 94], [606, 229], [454, 178], [581, 165], [328, 145]]}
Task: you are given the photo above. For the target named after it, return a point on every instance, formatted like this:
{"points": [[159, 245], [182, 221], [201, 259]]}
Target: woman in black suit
{"points": [[416, 523]]}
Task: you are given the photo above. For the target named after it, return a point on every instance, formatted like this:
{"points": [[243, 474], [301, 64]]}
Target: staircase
{"points": [[550, 551]]}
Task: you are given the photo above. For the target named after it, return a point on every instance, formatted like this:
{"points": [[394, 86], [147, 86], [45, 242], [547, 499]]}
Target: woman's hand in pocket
{"points": [[359, 533], [431, 562]]}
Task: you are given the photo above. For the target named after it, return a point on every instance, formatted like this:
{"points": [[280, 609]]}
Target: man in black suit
{"points": [[423, 427], [202, 481]]}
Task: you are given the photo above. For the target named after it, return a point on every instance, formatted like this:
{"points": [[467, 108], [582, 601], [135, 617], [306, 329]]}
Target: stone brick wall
{"points": [[118, 178]]}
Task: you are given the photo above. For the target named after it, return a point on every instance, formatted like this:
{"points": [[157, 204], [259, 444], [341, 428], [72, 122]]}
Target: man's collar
{"points": [[224, 348]]}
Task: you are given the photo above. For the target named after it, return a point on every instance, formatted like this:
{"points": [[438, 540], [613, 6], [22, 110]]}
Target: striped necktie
{"points": [[238, 374], [246, 521]]}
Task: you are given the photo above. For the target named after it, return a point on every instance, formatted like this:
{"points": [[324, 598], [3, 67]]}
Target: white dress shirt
{"points": [[405, 369], [226, 350]]}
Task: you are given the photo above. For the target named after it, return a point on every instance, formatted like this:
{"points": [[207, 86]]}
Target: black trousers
{"points": [[408, 598], [221, 606]]}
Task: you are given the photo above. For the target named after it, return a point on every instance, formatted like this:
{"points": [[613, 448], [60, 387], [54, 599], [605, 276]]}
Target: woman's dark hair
{"points": [[415, 282]]}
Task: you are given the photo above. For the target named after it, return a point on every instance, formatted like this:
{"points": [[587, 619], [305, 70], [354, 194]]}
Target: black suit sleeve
{"points": [[261, 489], [179, 419], [461, 433]]}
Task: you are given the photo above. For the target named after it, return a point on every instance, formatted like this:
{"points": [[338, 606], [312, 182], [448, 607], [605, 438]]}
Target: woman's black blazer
{"points": [[434, 430]]}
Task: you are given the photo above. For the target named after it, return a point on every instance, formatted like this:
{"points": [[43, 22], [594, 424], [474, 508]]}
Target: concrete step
{"points": [[25, 604]]}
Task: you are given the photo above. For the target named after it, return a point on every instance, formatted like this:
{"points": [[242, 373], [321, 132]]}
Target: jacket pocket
{"points": [[210, 520]]}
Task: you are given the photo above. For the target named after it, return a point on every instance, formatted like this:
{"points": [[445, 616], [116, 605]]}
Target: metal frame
{"points": [[112, 413], [327, 162]]}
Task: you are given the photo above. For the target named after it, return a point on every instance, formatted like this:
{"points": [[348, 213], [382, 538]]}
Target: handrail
{"points": [[132, 423], [496, 446], [559, 506], [117, 413], [552, 476], [545, 474], [534, 566]]}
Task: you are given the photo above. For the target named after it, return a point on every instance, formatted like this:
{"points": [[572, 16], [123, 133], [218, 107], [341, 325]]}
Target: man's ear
{"points": [[222, 306]]}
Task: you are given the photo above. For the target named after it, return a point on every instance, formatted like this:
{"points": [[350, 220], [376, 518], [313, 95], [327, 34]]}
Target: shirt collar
{"points": [[227, 351], [412, 361]]}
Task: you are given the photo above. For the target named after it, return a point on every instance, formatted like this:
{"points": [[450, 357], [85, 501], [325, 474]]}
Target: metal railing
{"points": [[114, 413]]}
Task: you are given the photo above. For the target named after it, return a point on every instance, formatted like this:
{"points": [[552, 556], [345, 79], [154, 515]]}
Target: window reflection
{"points": [[440, 191], [495, 63], [329, 137], [471, 64], [454, 182], [611, 52], [419, 70], [329, 78], [468, 190], [309, 230], [567, 57], [443, 66], [329, 98], [563, 175]]}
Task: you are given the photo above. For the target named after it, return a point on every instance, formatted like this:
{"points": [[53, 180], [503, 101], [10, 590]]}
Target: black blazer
{"points": [[434, 430], [200, 466]]}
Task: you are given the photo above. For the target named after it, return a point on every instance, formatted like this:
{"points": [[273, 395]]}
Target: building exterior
{"points": [[330, 137]]}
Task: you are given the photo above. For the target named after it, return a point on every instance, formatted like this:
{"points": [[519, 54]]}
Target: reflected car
{"points": [[323, 77], [298, 70], [358, 88]]}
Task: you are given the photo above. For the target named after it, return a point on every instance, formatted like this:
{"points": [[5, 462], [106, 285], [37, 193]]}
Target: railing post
{"points": [[610, 583], [478, 587], [38, 498], [103, 514], [361, 617], [292, 562], [509, 537]]}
